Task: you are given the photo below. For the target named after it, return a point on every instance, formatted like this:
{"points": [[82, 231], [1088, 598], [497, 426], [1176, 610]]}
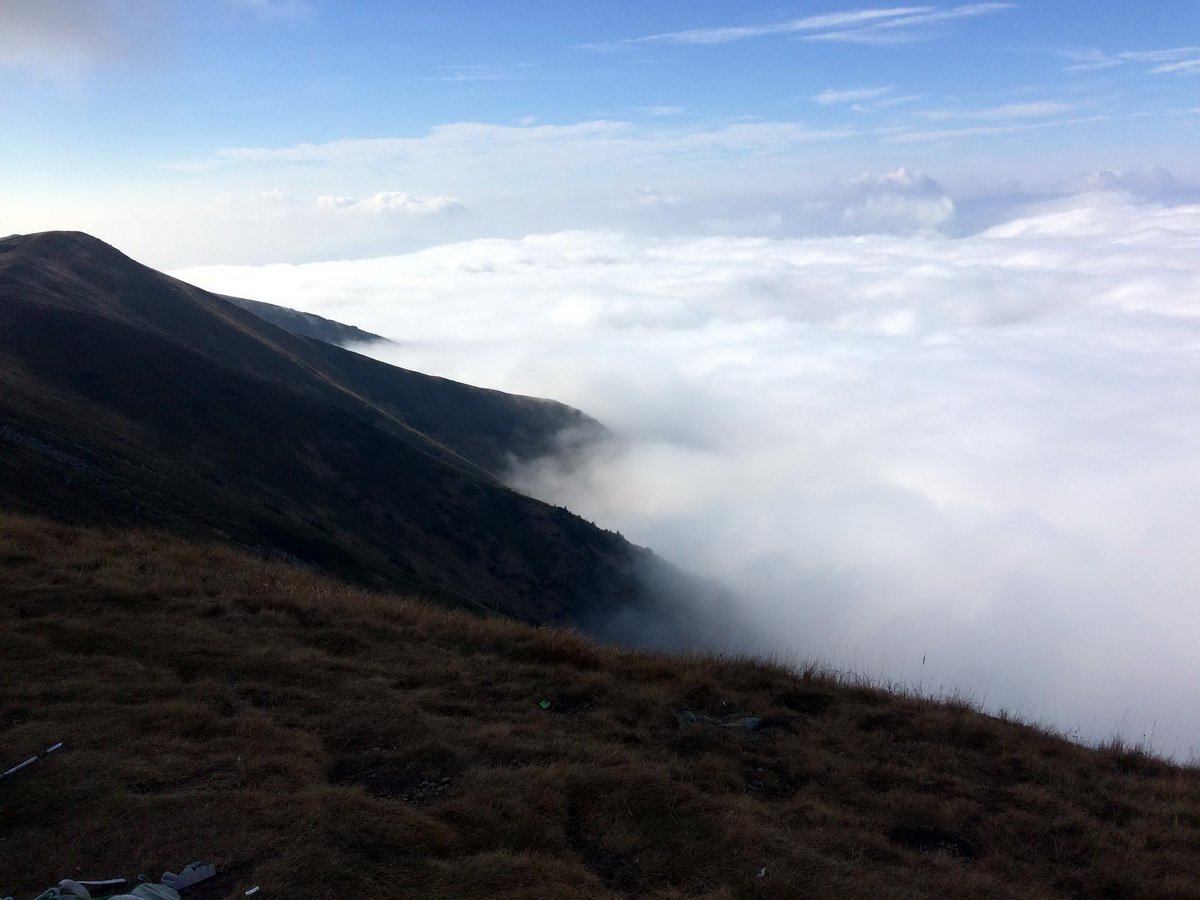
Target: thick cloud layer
{"points": [[960, 463]]}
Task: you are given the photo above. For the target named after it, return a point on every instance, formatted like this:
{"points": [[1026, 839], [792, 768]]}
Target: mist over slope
{"points": [[961, 463]]}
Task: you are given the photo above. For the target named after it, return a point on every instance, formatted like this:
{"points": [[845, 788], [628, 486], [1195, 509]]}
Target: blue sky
{"points": [[501, 118]]}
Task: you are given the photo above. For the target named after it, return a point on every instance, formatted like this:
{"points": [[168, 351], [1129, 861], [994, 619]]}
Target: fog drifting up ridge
{"points": [[965, 463]]}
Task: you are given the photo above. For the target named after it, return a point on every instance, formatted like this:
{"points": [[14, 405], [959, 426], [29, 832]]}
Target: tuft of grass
{"points": [[325, 741]]}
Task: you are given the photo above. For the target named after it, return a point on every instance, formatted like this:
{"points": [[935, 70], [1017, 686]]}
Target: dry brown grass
{"points": [[324, 742]]}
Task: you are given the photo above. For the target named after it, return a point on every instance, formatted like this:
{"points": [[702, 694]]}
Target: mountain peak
{"points": [[57, 244]]}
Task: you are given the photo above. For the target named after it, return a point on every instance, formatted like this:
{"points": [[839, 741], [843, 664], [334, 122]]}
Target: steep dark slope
{"points": [[490, 428], [73, 271], [130, 397]]}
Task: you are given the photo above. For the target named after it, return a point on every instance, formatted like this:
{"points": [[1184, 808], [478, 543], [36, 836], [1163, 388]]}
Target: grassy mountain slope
{"points": [[325, 742], [131, 398]]}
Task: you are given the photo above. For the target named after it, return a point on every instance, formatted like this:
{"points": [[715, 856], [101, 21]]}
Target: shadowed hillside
{"points": [[324, 742], [73, 278], [128, 397]]}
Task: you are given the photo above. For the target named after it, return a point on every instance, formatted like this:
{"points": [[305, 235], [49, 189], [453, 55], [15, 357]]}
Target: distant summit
{"points": [[308, 324]]}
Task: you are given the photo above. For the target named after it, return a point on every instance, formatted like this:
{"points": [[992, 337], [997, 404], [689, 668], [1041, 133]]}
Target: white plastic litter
{"points": [[189, 875], [149, 892], [68, 888], [92, 884]]}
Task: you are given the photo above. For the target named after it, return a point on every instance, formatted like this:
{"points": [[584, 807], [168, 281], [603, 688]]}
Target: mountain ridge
{"points": [[184, 411], [307, 324]]}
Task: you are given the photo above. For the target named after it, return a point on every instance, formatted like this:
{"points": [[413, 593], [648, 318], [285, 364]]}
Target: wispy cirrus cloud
{"points": [[1005, 112], [1164, 60], [483, 72], [886, 102], [1187, 65], [549, 146], [1088, 60], [833, 97], [744, 32], [827, 26], [461, 136], [1022, 110], [1160, 56], [660, 111], [277, 201], [921, 25], [928, 136]]}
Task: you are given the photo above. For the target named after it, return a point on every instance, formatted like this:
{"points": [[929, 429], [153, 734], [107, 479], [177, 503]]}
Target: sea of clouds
{"points": [[966, 463]]}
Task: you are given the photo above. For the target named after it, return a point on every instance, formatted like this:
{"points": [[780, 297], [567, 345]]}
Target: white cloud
{"points": [[646, 198], [898, 179], [1187, 65], [898, 202], [1091, 59], [744, 177], [743, 32], [274, 196], [1151, 182], [830, 26], [918, 137], [279, 221], [577, 145], [908, 28], [1021, 110], [831, 97], [978, 451], [1088, 60], [392, 202], [484, 72], [264, 203], [888, 102], [1158, 56], [598, 159], [466, 137], [279, 202]]}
